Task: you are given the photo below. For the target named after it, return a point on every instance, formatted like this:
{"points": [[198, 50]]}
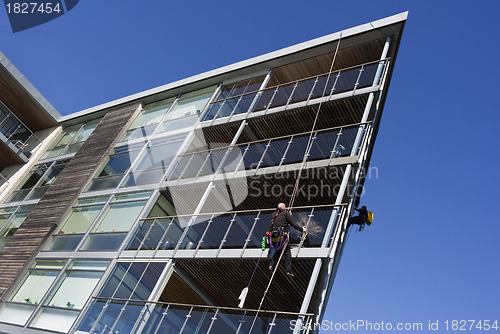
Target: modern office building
{"points": [[146, 214]]}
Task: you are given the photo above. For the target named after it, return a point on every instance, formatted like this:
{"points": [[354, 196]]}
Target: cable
{"points": [[308, 148], [268, 285], [304, 160]]}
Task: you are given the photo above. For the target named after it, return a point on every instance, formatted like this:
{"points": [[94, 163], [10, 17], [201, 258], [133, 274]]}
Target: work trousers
{"points": [[287, 257]]}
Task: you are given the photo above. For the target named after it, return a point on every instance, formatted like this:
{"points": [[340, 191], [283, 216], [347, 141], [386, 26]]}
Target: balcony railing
{"points": [[113, 316], [16, 132], [348, 79], [325, 144], [236, 230]]}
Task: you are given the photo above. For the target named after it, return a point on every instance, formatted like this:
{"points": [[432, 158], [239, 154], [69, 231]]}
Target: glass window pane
{"points": [[74, 289], [282, 95], [195, 233], [38, 192], [114, 281], [274, 153], [49, 264], [54, 319], [119, 217], [215, 232], [19, 195], [239, 231], [346, 142], [15, 313], [303, 90], [67, 134], [3, 242], [244, 104], [264, 99], [212, 162], [367, 76], [227, 107], [34, 176], [195, 163], [152, 113], [5, 214], [322, 145], [52, 174], [143, 178], [318, 222], [53, 152], [64, 242], [149, 234], [105, 182], [143, 131], [89, 265], [296, 150], [179, 166], [79, 219], [34, 286], [104, 242], [16, 220], [346, 81], [172, 236], [253, 154], [159, 156], [179, 123], [119, 163], [191, 103], [86, 132], [319, 88], [132, 196], [132, 280], [259, 230], [212, 110]]}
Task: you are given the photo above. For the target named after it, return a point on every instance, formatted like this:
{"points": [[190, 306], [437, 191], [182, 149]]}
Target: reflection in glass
{"points": [[34, 287], [79, 219], [74, 289], [103, 242], [119, 217], [15, 313], [64, 242], [54, 319]]}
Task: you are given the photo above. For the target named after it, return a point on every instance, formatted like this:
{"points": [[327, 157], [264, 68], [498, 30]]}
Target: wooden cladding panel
{"points": [[45, 216]]}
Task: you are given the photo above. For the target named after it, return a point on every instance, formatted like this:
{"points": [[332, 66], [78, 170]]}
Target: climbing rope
{"points": [[294, 193], [308, 146], [267, 288]]}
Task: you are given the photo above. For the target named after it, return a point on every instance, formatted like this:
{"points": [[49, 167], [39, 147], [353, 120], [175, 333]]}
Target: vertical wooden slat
{"points": [[47, 213]]}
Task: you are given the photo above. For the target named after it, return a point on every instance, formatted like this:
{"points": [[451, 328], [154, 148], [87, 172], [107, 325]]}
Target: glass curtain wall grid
{"points": [[327, 145], [308, 90], [10, 220], [171, 114], [71, 139], [98, 224], [123, 306], [158, 317], [128, 280], [145, 153], [38, 181], [239, 230], [52, 294], [15, 132]]}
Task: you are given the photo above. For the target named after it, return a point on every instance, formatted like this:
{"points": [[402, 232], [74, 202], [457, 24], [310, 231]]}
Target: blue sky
{"points": [[432, 252]]}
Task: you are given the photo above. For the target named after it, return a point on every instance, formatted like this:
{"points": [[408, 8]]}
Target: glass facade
{"points": [[71, 139], [52, 294], [190, 187]]}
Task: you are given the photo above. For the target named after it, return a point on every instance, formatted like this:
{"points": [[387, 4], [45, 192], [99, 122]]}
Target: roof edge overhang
{"points": [[364, 28], [23, 89]]}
